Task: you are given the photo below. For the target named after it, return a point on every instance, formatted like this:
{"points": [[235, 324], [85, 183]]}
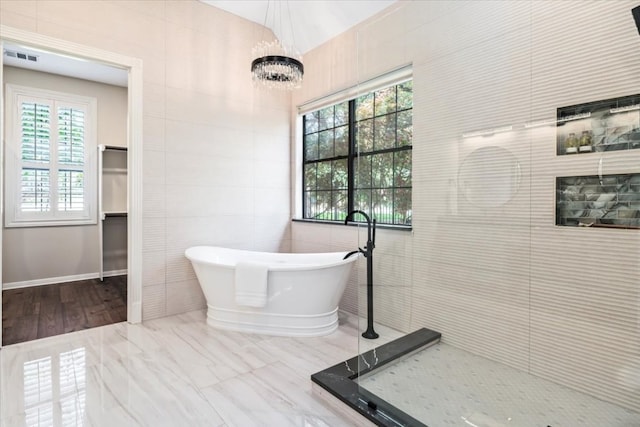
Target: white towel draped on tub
{"points": [[251, 284]]}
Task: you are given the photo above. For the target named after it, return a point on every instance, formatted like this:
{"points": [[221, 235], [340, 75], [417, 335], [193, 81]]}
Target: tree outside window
{"points": [[357, 155]]}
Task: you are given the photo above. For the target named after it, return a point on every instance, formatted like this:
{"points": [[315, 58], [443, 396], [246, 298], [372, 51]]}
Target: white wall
{"points": [[216, 150], [499, 280], [34, 253]]}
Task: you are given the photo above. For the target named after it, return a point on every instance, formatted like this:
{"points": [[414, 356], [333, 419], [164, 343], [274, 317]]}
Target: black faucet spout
{"points": [[353, 253], [371, 228]]}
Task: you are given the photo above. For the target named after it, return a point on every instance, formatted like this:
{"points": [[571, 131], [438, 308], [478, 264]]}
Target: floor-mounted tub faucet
{"points": [[368, 253]]}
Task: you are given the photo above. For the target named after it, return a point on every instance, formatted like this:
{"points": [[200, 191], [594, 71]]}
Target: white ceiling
{"points": [[313, 21]]}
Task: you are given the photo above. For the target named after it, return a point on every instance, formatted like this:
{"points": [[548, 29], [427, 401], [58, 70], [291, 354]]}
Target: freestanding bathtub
{"points": [[303, 290]]}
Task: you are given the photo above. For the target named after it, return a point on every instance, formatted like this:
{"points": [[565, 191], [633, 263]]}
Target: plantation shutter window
{"points": [[50, 162]]}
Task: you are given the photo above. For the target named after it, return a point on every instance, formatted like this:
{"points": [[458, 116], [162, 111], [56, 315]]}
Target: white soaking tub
{"points": [[302, 290]]}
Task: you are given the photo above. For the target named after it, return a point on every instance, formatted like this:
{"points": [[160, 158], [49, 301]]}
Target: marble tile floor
{"points": [[173, 371]]}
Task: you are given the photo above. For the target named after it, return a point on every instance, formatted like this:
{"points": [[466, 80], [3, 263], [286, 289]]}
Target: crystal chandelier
{"points": [[276, 66]]}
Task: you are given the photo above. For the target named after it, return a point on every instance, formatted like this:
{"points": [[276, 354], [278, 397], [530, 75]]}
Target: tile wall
{"points": [[598, 201], [485, 263], [216, 150]]}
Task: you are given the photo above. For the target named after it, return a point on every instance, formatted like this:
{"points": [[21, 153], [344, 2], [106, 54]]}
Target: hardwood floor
{"points": [[44, 311]]}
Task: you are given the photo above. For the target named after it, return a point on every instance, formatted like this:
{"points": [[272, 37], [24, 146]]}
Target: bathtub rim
{"points": [[272, 266]]}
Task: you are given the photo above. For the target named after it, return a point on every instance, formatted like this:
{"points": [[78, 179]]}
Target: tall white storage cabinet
{"points": [[113, 208]]}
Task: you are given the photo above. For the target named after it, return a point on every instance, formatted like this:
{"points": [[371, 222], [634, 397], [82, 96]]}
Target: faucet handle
{"points": [[373, 239]]}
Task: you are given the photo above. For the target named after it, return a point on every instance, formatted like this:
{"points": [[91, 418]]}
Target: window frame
{"points": [[14, 164], [354, 155]]}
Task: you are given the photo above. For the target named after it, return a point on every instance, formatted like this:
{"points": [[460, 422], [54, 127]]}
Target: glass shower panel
{"points": [[540, 323]]}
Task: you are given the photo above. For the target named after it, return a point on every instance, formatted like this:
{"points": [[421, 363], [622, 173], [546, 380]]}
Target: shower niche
{"points": [[599, 201], [607, 125]]}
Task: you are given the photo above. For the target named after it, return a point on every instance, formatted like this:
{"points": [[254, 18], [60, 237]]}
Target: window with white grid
{"points": [[50, 158]]}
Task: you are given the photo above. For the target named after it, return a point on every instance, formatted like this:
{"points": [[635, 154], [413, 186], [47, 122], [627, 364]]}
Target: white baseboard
{"points": [[61, 279]]}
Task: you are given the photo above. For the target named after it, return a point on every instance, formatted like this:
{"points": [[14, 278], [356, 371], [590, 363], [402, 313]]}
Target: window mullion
{"points": [[351, 181], [304, 168]]}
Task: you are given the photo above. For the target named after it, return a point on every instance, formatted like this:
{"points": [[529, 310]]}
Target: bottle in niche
{"points": [[585, 142], [571, 144]]}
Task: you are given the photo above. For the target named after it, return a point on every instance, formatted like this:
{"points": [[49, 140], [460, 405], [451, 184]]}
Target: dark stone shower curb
{"points": [[340, 380]]}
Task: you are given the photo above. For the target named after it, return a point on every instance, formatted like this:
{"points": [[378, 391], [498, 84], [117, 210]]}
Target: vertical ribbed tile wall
{"points": [[485, 264], [216, 150]]}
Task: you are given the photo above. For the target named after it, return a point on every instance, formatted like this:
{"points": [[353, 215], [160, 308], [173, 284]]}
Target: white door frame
{"points": [[134, 144]]}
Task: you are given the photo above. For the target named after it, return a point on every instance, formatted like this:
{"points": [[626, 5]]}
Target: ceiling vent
{"points": [[21, 55]]}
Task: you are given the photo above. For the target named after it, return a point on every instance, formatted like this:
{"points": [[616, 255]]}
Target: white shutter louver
{"points": [[50, 172]]}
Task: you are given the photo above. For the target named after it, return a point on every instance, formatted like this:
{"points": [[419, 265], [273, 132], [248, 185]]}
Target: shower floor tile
{"points": [[445, 386]]}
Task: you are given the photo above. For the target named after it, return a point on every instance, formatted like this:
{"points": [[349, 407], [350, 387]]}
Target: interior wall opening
{"points": [[60, 277]]}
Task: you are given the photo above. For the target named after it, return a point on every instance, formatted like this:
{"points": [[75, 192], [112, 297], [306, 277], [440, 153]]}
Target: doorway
{"points": [[111, 290]]}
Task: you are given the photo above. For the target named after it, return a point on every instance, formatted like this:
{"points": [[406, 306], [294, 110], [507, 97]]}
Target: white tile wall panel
{"points": [[272, 174], [490, 85], [305, 246], [586, 356], [487, 286], [349, 238], [272, 228], [349, 300], [153, 129], [184, 295], [190, 201], [235, 200], [19, 18], [178, 267], [329, 67], [391, 306], [193, 169], [145, 7], [271, 201], [320, 233], [199, 66], [266, 117], [153, 268], [273, 246], [268, 146], [154, 99], [488, 328], [392, 242], [235, 143], [390, 271], [477, 244], [368, 47], [191, 137], [191, 106], [153, 230], [27, 9], [206, 200], [154, 302], [466, 26], [154, 164], [235, 229], [98, 20], [154, 201], [182, 233]]}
